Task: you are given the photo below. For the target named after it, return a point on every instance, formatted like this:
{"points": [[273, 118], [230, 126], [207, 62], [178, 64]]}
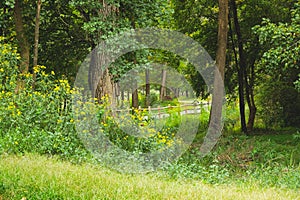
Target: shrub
{"points": [[35, 119], [278, 105], [139, 131]]}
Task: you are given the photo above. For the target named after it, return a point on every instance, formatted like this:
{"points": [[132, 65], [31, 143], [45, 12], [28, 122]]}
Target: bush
{"points": [[139, 131], [35, 119], [279, 105]]}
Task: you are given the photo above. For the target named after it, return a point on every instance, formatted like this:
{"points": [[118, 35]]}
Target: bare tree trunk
{"points": [[36, 39], [163, 84], [214, 130], [135, 99], [105, 87], [244, 79], [36, 33], [251, 103], [241, 69], [147, 73], [122, 98], [222, 36], [117, 92], [134, 95], [100, 80], [21, 37]]}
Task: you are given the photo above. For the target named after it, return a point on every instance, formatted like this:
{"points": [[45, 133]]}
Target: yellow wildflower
{"points": [[169, 143], [19, 113], [56, 89], [36, 69], [11, 106]]}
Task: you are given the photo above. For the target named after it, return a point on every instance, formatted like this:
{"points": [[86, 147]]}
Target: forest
{"points": [[160, 99]]}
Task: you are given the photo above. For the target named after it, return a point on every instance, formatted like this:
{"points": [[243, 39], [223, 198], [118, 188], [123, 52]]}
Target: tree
{"points": [[147, 76], [163, 89], [21, 37], [242, 79], [214, 129], [36, 33], [222, 36]]}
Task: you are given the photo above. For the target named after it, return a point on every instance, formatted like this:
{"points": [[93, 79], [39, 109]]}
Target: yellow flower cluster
{"points": [[38, 68], [13, 110], [163, 139], [27, 75]]}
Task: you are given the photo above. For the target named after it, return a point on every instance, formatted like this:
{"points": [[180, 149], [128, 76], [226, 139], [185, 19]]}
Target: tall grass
{"points": [[36, 177]]}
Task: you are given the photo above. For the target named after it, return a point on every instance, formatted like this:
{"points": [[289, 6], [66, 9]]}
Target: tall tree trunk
{"points": [[252, 106], [147, 73], [214, 130], [222, 36], [36, 33], [100, 80], [135, 94], [106, 87], [241, 69], [163, 84], [36, 39], [122, 97], [135, 97], [21, 37]]}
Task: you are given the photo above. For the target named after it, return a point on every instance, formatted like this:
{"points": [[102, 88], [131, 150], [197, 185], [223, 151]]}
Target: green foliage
{"points": [[297, 83], [278, 104], [153, 99], [278, 99], [35, 120], [139, 131], [272, 160], [297, 136]]}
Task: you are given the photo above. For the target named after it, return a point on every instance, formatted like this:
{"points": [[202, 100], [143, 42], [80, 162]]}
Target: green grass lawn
{"points": [[38, 177]]}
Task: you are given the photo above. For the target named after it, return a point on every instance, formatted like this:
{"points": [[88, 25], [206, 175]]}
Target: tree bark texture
{"points": [[163, 85], [36, 33], [100, 80], [147, 74], [21, 37], [215, 122]]}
